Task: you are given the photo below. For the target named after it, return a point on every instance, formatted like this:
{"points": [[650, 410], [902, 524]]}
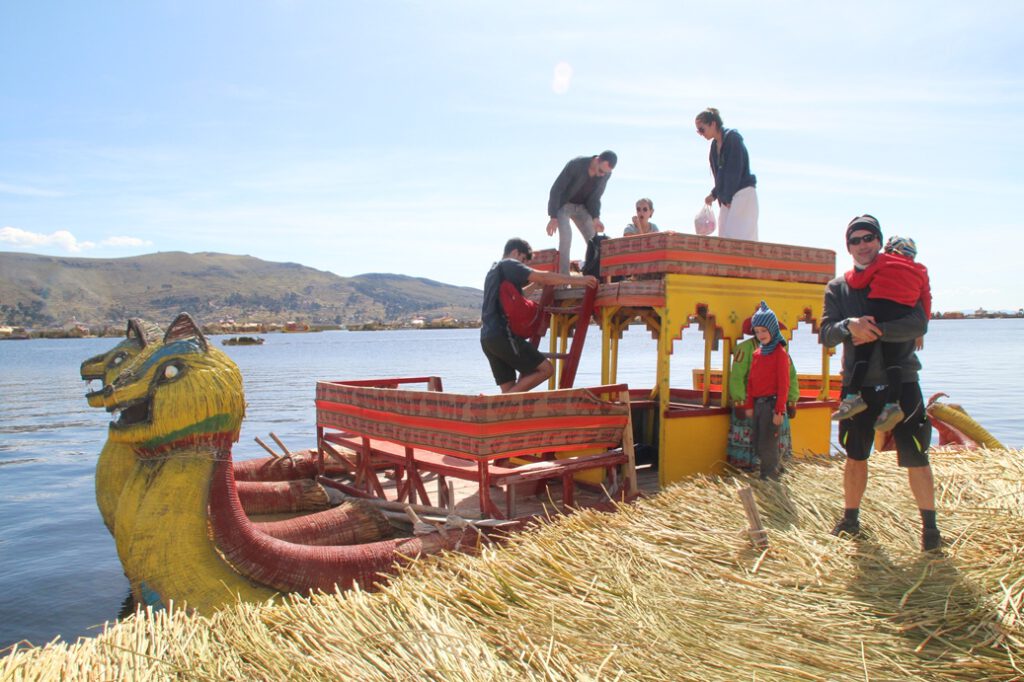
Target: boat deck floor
{"points": [[546, 501]]}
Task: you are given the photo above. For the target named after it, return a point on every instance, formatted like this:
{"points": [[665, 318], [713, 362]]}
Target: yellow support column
{"points": [[661, 388], [607, 314], [726, 370], [708, 340]]}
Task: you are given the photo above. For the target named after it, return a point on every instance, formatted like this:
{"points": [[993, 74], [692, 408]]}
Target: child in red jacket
{"points": [[896, 284], [767, 389]]}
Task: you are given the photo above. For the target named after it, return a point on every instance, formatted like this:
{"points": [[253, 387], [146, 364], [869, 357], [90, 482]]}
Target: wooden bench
{"points": [[478, 438], [564, 469]]}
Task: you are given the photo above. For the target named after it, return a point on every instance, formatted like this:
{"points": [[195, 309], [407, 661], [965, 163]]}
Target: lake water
{"points": [[59, 572]]}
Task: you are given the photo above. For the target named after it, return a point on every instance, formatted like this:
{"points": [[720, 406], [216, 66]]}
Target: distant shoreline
{"points": [[116, 332]]}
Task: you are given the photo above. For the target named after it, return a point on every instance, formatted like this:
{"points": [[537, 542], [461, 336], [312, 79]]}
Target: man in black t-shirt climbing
{"points": [[508, 353]]}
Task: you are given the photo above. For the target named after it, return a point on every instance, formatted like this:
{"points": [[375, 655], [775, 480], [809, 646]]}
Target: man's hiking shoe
{"points": [[851, 528], [889, 417], [930, 539], [849, 407]]}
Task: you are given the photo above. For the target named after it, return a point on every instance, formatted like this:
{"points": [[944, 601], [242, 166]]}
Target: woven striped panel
{"points": [[672, 252], [645, 292], [545, 260], [473, 426]]}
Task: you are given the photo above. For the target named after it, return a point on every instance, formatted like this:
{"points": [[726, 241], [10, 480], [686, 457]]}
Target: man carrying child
{"points": [[846, 320]]}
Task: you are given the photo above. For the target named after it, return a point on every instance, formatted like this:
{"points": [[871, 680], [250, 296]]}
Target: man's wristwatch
{"points": [[844, 327]]}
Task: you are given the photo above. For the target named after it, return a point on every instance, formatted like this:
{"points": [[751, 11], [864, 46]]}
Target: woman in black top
{"points": [[734, 183]]}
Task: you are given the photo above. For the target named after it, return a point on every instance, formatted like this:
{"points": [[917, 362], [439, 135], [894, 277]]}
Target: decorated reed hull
{"points": [[115, 461], [181, 405]]}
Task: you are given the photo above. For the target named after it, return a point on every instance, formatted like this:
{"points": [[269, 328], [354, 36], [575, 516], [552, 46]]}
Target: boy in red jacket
{"points": [[767, 389], [896, 284]]}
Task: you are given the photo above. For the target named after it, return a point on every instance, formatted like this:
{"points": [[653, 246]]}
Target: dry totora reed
{"points": [[667, 589]]}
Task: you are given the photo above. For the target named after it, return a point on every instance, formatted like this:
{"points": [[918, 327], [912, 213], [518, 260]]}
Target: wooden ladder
{"points": [[584, 311]]}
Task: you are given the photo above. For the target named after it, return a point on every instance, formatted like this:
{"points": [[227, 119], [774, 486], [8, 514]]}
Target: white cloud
{"points": [[126, 241], [62, 240]]}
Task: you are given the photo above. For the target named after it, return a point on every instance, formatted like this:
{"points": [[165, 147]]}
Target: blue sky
{"points": [[416, 137]]}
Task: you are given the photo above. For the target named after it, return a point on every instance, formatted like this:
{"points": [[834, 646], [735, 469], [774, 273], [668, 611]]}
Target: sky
{"points": [[417, 137]]}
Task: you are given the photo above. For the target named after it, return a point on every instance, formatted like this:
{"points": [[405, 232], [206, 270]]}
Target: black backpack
{"points": [[592, 264]]}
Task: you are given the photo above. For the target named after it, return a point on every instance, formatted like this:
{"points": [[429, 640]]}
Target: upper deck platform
{"points": [[730, 275], [664, 253]]}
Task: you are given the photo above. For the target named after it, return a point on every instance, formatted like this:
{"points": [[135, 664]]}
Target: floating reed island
{"points": [[668, 588]]}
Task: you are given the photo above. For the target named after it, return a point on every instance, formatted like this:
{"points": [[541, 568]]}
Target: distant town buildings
{"points": [[75, 329]]}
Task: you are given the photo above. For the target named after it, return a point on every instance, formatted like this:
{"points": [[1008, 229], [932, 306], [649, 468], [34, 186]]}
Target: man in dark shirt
{"points": [[508, 353], [576, 196], [844, 321]]}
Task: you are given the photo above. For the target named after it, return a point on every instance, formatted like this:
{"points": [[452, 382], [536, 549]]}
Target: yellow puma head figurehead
{"points": [[107, 366], [178, 392]]}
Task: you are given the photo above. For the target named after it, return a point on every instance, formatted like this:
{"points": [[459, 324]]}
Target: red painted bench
{"points": [[476, 438]]}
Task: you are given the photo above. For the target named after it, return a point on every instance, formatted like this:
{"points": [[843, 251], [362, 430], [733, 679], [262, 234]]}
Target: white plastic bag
{"points": [[705, 221]]}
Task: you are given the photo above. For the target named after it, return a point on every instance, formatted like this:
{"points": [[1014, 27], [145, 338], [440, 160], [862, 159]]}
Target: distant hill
{"points": [[40, 291]]}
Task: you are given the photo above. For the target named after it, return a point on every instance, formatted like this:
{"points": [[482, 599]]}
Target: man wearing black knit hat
{"points": [[844, 321]]}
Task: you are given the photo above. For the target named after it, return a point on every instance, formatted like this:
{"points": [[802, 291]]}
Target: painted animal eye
{"points": [[117, 359], [170, 372]]}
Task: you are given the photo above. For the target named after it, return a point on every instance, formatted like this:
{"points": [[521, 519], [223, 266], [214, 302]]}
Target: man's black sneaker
{"points": [[846, 526], [930, 539]]}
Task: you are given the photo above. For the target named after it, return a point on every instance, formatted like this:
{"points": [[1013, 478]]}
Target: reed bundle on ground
{"points": [[670, 588]]}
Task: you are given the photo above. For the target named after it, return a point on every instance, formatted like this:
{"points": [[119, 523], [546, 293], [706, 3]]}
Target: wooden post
{"points": [[267, 448], [758, 535], [629, 472], [726, 370], [278, 441], [338, 457]]}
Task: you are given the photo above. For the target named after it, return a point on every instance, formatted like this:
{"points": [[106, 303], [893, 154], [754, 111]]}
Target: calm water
{"points": [[59, 573]]}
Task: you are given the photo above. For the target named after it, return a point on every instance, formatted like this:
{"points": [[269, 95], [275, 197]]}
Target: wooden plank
{"points": [[560, 467], [758, 535]]}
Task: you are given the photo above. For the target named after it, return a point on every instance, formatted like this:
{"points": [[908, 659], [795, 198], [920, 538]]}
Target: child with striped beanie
{"points": [[767, 389]]}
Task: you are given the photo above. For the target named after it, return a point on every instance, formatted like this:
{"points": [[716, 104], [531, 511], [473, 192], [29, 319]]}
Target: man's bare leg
{"points": [[922, 485], [855, 482], [528, 381]]}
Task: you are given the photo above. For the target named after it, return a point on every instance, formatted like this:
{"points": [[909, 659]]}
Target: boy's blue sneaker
{"points": [[849, 407], [889, 417]]}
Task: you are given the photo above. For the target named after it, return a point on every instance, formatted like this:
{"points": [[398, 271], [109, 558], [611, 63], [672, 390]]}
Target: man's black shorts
{"points": [[913, 435], [508, 354]]}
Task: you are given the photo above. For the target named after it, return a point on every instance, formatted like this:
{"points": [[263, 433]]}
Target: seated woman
{"points": [[642, 220]]}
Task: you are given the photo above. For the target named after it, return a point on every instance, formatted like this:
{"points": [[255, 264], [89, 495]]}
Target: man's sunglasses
{"points": [[867, 239]]}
